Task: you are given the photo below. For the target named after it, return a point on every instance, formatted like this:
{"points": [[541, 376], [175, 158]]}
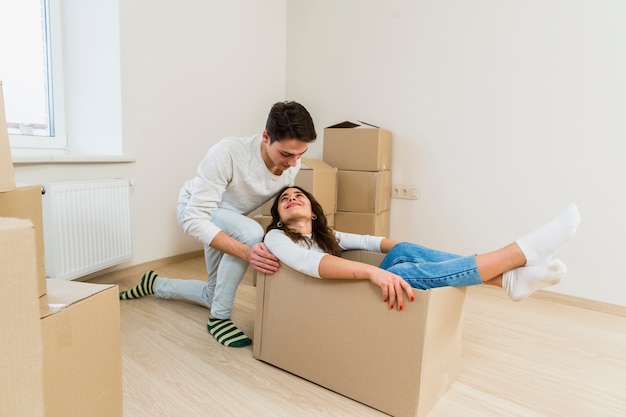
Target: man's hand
{"points": [[262, 260]]}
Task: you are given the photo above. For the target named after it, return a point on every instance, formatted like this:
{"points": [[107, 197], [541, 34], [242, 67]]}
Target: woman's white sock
{"points": [[521, 282], [539, 245]]}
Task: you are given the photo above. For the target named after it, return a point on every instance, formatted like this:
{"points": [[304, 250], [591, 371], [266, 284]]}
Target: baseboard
{"points": [[580, 302], [139, 269]]}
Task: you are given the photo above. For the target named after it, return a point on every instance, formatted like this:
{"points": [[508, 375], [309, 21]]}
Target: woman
{"points": [[300, 237]]}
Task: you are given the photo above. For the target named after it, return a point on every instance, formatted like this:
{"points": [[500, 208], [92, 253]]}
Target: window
{"points": [[80, 73], [26, 68]]}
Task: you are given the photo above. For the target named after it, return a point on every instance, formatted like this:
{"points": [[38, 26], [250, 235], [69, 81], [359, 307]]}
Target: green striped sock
{"points": [[225, 332], [145, 287]]}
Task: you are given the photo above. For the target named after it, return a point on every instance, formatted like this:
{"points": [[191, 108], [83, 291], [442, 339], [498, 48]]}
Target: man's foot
{"points": [[145, 287], [225, 332]]}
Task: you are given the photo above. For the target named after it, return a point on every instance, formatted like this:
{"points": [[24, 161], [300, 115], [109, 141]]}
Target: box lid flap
{"points": [[312, 163], [14, 223], [62, 294], [350, 125]]}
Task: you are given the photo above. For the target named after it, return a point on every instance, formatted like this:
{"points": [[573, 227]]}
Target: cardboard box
{"points": [[82, 359], [21, 385], [363, 223], [357, 147], [340, 335], [7, 178], [318, 178], [364, 191], [25, 203], [263, 220]]}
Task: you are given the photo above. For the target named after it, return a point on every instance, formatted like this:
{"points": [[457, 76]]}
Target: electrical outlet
{"points": [[405, 192]]}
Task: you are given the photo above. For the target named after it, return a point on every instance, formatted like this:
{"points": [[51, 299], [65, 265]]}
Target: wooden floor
{"points": [[544, 356]]}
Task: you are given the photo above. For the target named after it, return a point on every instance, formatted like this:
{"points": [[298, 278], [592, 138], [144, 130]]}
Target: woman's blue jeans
{"points": [[426, 268]]}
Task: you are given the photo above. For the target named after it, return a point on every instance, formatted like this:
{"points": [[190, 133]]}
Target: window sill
{"points": [[67, 158]]}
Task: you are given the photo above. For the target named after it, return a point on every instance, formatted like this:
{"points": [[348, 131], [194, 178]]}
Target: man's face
{"points": [[283, 154]]}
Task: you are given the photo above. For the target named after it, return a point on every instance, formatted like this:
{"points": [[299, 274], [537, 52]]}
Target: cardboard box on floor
{"points": [[21, 360], [82, 359], [357, 147], [363, 223], [318, 178], [340, 335], [7, 178], [364, 191], [25, 203]]}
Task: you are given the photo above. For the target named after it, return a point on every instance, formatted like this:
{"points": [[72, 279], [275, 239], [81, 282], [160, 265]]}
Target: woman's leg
{"points": [[442, 268], [521, 267], [492, 265], [426, 268]]}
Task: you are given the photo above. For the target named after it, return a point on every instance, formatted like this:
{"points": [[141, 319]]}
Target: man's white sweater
{"points": [[232, 176]]}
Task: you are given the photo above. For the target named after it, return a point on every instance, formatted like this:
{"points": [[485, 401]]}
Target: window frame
{"points": [[56, 106]]}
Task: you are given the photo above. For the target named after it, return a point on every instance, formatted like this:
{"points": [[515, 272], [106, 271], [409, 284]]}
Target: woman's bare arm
{"points": [[392, 286]]}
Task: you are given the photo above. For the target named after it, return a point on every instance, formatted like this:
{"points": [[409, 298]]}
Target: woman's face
{"points": [[293, 206]]}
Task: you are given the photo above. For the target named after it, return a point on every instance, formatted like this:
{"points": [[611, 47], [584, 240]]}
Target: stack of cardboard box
{"points": [[362, 155], [60, 352]]}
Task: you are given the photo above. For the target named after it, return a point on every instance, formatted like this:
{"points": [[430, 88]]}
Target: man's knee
{"points": [[250, 233], [256, 234]]}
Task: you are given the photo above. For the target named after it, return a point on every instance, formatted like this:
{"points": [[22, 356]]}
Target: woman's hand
{"points": [[392, 287]]}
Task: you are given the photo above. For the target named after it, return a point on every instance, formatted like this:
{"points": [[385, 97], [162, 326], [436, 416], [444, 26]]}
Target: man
{"points": [[236, 176]]}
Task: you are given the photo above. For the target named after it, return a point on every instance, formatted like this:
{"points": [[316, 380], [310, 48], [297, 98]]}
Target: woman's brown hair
{"points": [[321, 233]]}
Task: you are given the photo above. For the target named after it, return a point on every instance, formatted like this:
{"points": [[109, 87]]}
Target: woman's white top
{"points": [[307, 260]]}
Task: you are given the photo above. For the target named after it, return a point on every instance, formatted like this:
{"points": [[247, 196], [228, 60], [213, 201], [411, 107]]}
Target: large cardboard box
{"points": [[364, 191], [340, 335], [318, 178], [357, 147], [25, 203], [363, 223], [7, 178], [21, 385], [82, 359]]}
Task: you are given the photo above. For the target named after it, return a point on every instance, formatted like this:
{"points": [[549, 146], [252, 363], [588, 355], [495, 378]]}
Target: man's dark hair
{"points": [[290, 120]]}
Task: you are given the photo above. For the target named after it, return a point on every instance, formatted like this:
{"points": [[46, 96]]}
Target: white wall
{"points": [[502, 113], [191, 73]]}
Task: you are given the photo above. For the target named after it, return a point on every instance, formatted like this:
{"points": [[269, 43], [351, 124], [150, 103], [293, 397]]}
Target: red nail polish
{"points": [[412, 298], [391, 307], [400, 308]]}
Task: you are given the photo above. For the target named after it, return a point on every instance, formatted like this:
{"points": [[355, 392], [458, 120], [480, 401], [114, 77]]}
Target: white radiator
{"points": [[86, 226]]}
